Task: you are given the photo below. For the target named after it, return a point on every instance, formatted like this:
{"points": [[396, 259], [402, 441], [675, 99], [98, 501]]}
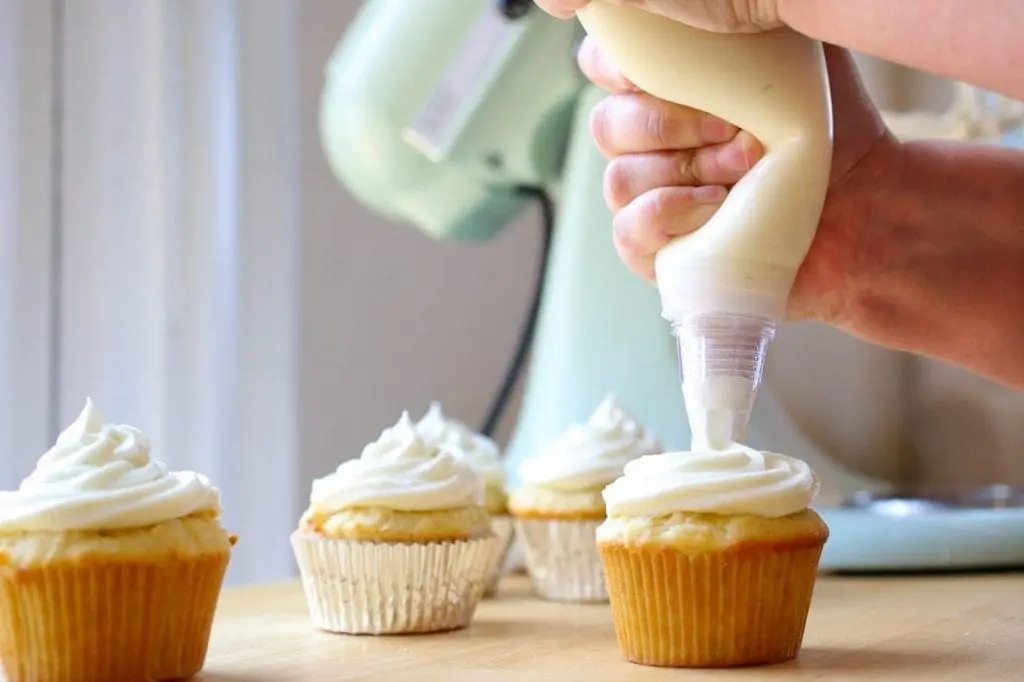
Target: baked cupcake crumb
{"points": [[387, 525], [698, 532]]}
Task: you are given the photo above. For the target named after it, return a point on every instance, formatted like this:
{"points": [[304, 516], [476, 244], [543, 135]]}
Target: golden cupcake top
{"points": [[591, 454], [400, 471], [734, 480], [100, 476]]}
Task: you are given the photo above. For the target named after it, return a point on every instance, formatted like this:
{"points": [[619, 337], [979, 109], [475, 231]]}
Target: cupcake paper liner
{"points": [[378, 588], [742, 607], [562, 559], [108, 618], [502, 527]]}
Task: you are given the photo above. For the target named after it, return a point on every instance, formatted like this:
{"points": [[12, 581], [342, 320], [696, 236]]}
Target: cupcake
{"points": [[558, 506], [110, 563], [711, 557], [396, 541], [483, 455]]}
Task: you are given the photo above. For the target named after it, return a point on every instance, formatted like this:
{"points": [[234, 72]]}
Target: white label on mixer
{"points": [[447, 109]]}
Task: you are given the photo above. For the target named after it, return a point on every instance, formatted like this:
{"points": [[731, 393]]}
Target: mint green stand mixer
{"points": [[454, 117]]}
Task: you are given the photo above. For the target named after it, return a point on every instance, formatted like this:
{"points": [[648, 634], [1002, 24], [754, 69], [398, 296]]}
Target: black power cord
{"points": [[515, 367]]}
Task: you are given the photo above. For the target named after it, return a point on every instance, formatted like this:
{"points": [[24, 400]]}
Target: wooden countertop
{"points": [[967, 628]]}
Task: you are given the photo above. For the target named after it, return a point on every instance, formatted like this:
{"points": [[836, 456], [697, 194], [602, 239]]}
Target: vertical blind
{"points": [[153, 254], [27, 344]]}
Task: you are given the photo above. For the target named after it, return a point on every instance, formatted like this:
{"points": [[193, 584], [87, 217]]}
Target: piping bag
{"points": [[724, 287]]}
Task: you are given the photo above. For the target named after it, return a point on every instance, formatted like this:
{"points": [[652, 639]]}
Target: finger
{"points": [[654, 218], [637, 122], [596, 66], [630, 175], [563, 9], [639, 260]]}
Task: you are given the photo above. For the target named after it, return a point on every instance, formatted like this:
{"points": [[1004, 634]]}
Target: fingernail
{"points": [[709, 194], [733, 158], [741, 155], [713, 129]]}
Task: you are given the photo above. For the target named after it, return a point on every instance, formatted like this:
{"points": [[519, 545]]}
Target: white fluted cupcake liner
{"points": [[562, 559], [378, 588], [515, 562], [502, 527]]}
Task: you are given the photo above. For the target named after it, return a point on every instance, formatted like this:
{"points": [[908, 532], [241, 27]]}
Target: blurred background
{"points": [[173, 244]]}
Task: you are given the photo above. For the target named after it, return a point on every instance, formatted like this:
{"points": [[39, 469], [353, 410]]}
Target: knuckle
{"points": [[655, 208], [688, 167], [657, 127]]}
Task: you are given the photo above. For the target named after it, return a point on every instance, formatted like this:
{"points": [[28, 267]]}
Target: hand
{"points": [[670, 168], [723, 16]]}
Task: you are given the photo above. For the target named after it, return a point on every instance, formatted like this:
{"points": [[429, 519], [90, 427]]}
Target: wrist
{"points": [[834, 282], [936, 266], [875, 202]]}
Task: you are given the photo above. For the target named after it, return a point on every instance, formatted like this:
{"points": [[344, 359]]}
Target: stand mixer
{"points": [[456, 115]]}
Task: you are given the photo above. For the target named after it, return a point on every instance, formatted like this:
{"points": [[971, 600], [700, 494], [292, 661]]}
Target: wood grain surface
{"points": [[955, 627]]}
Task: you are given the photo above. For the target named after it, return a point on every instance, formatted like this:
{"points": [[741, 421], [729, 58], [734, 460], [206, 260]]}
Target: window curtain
{"points": [[27, 344], [152, 236]]}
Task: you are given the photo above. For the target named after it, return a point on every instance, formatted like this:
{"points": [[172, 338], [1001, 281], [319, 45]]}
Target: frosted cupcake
{"points": [[558, 506], [483, 455], [110, 563], [711, 557], [396, 541]]}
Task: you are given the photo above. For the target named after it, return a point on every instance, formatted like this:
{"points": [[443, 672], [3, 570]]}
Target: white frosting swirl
{"points": [[736, 480], [402, 472], [478, 450], [100, 476], [591, 454]]}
